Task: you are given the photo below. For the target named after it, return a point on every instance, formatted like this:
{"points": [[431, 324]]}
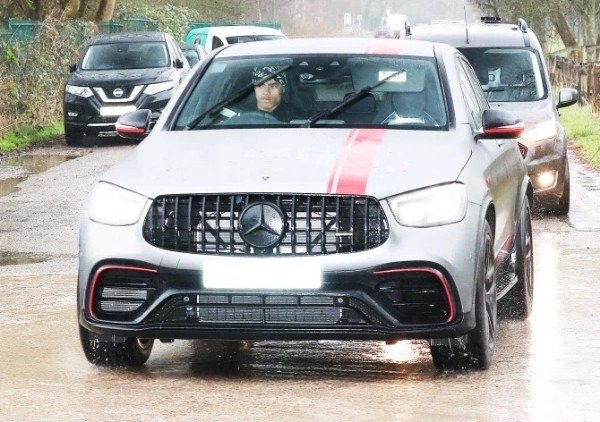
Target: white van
{"points": [[212, 37]]}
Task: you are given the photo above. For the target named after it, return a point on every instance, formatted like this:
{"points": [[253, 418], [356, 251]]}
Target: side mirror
{"points": [[72, 68], [501, 124], [179, 64], [567, 97], [134, 125]]}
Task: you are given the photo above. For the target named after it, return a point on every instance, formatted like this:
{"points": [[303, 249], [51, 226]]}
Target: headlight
{"points": [[159, 87], [544, 130], [434, 206], [115, 206], [80, 91]]}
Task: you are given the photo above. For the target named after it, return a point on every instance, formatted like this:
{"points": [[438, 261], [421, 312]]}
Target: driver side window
{"points": [[216, 42]]}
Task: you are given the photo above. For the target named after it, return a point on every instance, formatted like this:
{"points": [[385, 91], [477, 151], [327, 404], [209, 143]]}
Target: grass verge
{"points": [[583, 128], [27, 136]]}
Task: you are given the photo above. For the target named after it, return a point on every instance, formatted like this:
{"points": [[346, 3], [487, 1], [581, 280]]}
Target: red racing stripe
{"points": [[350, 172]]}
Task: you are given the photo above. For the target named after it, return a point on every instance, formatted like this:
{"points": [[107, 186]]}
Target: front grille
{"points": [[313, 224], [261, 310]]}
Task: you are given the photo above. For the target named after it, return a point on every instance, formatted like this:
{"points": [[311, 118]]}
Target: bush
{"points": [[33, 73]]}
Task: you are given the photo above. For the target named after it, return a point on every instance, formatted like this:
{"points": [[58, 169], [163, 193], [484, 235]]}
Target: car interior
{"points": [[404, 92], [508, 74]]}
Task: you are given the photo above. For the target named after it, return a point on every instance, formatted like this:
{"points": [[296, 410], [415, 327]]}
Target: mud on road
{"points": [[545, 368]]}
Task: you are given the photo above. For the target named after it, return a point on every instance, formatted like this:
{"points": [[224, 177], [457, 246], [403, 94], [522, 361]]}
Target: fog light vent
{"points": [[124, 293], [119, 306]]}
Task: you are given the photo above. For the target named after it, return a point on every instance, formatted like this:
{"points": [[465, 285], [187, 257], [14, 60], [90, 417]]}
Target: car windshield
{"points": [[249, 38], [317, 91], [508, 74], [126, 55]]}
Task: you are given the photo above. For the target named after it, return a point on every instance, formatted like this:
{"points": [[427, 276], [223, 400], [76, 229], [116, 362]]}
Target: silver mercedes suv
{"points": [[509, 63]]}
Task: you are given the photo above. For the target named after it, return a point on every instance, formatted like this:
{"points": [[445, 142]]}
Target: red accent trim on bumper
{"points": [[438, 275], [98, 273], [506, 248]]}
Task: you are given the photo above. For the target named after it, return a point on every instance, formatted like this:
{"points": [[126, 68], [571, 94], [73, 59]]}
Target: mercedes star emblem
{"points": [[262, 224]]}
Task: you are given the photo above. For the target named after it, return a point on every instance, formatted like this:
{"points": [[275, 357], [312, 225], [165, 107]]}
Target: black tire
{"points": [[564, 203], [73, 137], [518, 301], [476, 348], [133, 352]]}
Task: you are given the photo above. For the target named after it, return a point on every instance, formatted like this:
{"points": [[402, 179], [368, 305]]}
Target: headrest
{"points": [[364, 105], [405, 77]]}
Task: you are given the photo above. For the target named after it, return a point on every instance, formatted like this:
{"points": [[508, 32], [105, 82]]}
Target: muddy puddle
{"points": [[19, 258], [20, 167]]}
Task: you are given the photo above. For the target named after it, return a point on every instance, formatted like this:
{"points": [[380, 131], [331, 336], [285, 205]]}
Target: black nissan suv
{"points": [[118, 73], [509, 63]]}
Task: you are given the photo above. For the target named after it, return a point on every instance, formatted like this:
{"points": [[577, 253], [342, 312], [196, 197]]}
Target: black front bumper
{"points": [[398, 301], [83, 115]]}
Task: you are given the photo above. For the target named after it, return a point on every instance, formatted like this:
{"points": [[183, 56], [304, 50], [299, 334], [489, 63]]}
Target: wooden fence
{"points": [[572, 72]]}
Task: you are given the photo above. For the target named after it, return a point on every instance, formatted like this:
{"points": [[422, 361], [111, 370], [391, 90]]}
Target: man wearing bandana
{"points": [[269, 95]]}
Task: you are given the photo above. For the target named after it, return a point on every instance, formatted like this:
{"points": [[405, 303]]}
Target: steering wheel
{"points": [[251, 118]]}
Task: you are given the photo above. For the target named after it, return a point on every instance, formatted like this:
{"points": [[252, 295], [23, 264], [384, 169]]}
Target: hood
{"points": [[531, 112], [375, 162], [102, 78]]}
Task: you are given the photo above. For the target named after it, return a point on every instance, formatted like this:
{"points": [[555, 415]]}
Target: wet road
{"points": [[546, 368]]}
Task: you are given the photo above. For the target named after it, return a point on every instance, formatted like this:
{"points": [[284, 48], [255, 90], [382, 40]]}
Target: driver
{"points": [[269, 95]]}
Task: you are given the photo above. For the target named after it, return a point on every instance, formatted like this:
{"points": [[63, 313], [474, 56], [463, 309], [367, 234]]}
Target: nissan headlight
{"points": [[115, 206], [543, 130], [80, 91], [429, 207], [159, 87]]}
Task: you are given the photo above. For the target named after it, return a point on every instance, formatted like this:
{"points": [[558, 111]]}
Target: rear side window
{"points": [[216, 42], [508, 74]]}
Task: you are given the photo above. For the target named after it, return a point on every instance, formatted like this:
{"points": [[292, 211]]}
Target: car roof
{"points": [[229, 30], [479, 35], [375, 46], [129, 37]]}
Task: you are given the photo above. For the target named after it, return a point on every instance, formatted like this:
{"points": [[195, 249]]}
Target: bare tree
{"points": [[105, 10], [562, 15]]}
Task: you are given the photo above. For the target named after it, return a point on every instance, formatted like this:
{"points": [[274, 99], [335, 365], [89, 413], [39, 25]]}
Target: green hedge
{"points": [[33, 70], [33, 73], [583, 128]]}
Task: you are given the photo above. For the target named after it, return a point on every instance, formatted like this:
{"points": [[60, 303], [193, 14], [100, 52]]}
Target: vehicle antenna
{"points": [[466, 26]]}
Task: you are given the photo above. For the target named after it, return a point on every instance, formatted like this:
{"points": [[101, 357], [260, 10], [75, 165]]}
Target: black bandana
{"points": [[261, 72]]}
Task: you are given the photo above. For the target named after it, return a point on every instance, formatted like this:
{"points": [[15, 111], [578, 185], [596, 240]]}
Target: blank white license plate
{"points": [[261, 273], [116, 110]]}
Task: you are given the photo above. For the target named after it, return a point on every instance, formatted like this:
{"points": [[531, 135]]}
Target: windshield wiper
{"points": [[348, 100], [242, 93]]}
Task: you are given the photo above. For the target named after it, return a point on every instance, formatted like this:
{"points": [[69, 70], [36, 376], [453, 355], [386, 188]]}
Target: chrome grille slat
{"points": [[314, 224]]}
